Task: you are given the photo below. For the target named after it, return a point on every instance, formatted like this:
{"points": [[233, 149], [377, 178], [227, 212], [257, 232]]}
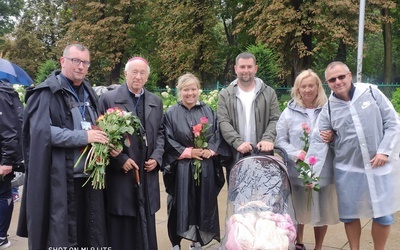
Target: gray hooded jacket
{"points": [[231, 115]]}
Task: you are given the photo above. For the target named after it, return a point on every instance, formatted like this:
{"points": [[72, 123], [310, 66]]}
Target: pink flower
{"points": [[203, 120], [197, 129], [312, 160], [308, 130], [200, 141], [304, 126], [301, 156], [110, 110]]}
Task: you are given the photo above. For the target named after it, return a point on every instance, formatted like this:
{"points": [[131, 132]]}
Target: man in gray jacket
{"points": [[247, 110]]}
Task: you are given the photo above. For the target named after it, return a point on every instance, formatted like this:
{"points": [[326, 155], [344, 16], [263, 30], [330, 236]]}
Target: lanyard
{"points": [[81, 106]]}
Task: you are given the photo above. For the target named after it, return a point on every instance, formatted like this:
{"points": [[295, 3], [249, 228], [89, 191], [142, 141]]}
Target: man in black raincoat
{"points": [[11, 110], [56, 211]]}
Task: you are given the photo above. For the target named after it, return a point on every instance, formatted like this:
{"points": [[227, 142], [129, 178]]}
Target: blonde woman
{"points": [[192, 202], [302, 111]]}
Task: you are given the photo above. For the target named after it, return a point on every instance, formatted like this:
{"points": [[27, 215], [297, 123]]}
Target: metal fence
{"points": [[387, 89], [284, 92]]}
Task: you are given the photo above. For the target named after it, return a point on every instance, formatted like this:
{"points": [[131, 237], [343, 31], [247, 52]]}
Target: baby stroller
{"points": [[259, 206]]}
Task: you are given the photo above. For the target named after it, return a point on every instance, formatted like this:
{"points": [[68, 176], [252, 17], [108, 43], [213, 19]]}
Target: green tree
{"points": [[235, 40], [107, 28], [298, 30], [36, 35], [266, 61], [9, 11], [187, 39]]}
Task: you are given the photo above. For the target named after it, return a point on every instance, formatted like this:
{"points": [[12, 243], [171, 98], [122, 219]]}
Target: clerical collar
{"points": [[137, 95]]}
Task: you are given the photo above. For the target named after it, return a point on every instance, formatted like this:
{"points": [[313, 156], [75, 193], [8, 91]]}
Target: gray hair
{"points": [[334, 64], [77, 46], [137, 58]]}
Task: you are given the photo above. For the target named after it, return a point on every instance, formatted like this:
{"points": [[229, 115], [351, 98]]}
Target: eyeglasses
{"points": [[76, 61], [333, 79]]}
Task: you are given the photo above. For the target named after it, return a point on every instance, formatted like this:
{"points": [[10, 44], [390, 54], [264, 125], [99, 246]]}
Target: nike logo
{"points": [[365, 104]]}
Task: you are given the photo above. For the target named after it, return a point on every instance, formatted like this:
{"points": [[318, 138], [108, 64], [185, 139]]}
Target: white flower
{"points": [[165, 94]]}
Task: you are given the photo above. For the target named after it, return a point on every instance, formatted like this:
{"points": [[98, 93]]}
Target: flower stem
{"points": [[80, 157]]}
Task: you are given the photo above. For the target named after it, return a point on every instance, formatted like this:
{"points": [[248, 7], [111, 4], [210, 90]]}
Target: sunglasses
{"points": [[333, 79]]}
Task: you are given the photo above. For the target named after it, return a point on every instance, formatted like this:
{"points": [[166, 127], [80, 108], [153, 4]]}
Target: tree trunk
{"points": [[302, 59], [341, 54], [387, 45], [115, 74]]}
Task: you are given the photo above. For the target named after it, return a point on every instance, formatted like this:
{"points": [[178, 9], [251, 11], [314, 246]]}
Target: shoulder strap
{"points": [[372, 93], [329, 111]]}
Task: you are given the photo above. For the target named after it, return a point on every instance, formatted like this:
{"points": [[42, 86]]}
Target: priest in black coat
{"points": [[144, 154]]}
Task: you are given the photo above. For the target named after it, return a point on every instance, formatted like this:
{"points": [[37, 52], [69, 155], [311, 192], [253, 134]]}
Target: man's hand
{"points": [[113, 151], [244, 148], [150, 164], [326, 135], [129, 165], [265, 146], [378, 160], [97, 136], [5, 170]]}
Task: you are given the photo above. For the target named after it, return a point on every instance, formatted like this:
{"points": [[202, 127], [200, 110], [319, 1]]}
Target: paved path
{"points": [[335, 238]]}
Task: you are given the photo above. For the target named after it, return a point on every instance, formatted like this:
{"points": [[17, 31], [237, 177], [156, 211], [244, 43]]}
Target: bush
{"points": [[20, 89], [45, 70], [396, 100], [283, 101], [169, 98], [210, 98], [268, 68]]}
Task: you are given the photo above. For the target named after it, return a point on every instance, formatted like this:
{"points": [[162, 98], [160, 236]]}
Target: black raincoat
{"points": [[10, 123], [48, 215], [196, 207]]}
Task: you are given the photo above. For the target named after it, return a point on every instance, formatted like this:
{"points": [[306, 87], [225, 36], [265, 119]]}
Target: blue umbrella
{"points": [[13, 74]]}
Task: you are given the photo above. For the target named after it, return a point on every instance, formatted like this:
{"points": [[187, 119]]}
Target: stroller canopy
{"points": [[259, 207]]}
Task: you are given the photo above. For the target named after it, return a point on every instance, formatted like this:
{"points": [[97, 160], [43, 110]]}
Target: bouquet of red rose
{"points": [[200, 141], [116, 123], [310, 181]]}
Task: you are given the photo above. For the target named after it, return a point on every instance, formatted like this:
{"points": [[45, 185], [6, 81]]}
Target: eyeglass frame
{"points": [[340, 77], [77, 61]]}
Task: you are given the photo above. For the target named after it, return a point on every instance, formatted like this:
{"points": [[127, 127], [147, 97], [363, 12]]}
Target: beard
{"points": [[246, 79]]}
